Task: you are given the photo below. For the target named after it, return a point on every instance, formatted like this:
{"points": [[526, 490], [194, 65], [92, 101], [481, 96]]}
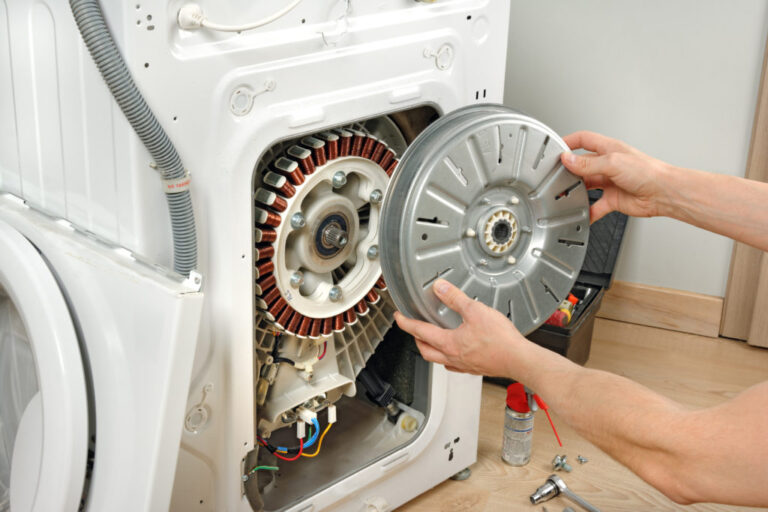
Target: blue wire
{"points": [[312, 439]]}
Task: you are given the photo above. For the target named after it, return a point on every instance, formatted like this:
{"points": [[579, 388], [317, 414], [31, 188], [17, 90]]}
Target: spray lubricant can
{"points": [[518, 427]]}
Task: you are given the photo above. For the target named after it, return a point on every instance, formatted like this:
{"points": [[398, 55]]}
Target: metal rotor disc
{"points": [[481, 199]]}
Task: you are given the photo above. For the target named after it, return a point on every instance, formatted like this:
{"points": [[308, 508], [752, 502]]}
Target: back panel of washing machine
{"points": [[68, 150]]}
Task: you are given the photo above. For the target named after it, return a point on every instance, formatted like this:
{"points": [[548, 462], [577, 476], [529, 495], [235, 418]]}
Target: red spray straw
{"points": [[543, 406]]}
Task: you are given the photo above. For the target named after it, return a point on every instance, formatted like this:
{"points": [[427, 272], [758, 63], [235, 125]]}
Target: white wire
{"points": [[250, 26]]}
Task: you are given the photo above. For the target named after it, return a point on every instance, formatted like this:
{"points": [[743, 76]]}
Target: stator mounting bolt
{"points": [[376, 196], [298, 221], [335, 294], [339, 179]]}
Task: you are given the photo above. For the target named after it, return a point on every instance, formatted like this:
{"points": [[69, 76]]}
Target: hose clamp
{"points": [[177, 185]]}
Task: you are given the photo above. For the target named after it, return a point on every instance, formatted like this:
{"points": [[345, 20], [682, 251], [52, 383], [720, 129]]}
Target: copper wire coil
{"points": [[314, 331], [372, 297], [318, 149], [264, 251], [264, 267], [391, 168], [275, 309], [294, 323], [380, 284], [327, 326], [368, 146], [280, 183], [378, 151], [338, 323], [279, 204], [345, 142], [386, 159], [271, 199], [349, 316], [306, 322], [361, 308], [304, 158], [331, 144], [358, 139], [265, 235], [290, 169], [285, 316], [265, 283], [272, 295], [265, 217]]}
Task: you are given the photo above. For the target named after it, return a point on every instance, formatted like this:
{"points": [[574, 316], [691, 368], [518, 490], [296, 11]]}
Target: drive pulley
{"points": [[481, 199]]}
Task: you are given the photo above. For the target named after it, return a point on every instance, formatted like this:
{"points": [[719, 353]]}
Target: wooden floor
{"points": [[693, 370]]}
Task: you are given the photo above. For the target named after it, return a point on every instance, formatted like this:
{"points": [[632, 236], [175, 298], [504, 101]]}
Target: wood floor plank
{"points": [[695, 370]]}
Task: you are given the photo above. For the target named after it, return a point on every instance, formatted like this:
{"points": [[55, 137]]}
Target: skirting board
{"points": [[666, 308]]}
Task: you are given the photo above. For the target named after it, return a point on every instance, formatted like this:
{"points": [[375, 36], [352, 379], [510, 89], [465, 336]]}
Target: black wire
{"points": [[277, 358]]}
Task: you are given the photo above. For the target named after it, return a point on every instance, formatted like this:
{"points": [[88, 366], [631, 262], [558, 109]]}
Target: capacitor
{"points": [[518, 427]]}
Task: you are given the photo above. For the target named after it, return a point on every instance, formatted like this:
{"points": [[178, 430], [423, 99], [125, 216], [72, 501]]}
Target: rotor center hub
{"points": [[331, 236], [499, 231]]}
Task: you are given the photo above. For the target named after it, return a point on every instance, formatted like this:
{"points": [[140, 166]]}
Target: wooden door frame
{"points": [[745, 293]]}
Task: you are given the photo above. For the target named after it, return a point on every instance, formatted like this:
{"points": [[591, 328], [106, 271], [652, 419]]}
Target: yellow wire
{"points": [[319, 443]]}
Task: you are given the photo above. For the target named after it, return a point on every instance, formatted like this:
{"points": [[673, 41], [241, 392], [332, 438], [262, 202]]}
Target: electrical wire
{"points": [[265, 468], [249, 26], [278, 450], [319, 443], [301, 450], [322, 355]]}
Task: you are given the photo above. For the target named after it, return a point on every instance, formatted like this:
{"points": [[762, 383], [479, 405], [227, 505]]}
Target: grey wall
{"points": [[677, 79]]}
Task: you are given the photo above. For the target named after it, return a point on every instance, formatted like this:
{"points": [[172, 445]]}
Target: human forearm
{"points": [[733, 207], [627, 421], [677, 450]]}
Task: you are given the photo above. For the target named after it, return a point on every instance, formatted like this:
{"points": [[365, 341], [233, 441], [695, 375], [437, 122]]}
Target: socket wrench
{"points": [[555, 486]]}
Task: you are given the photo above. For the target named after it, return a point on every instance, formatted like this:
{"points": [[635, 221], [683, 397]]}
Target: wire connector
{"points": [[331, 414], [301, 429], [306, 415]]}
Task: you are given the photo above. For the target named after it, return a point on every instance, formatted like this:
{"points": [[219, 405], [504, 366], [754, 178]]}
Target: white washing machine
{"points": [[121, 387]]}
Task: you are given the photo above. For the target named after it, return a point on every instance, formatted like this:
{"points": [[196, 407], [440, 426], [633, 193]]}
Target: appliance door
{"points": [[43, 397]]}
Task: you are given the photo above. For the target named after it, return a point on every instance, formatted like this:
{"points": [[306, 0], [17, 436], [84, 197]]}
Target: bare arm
{"points": [[716, 454], [639, 185]]}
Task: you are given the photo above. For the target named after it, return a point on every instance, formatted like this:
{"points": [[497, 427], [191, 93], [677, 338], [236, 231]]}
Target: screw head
{"points": [[511, 260], [373, 252], [335, 294], [298, 221], [245, 478], [297, 279], [482, 262], [339, 179], [376, 196]]}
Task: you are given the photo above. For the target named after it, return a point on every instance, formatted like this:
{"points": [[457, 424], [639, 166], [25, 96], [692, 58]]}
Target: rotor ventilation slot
{"points": [[482, 199]]}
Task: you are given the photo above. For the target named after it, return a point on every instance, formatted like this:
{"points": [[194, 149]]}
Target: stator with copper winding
{"points": [[316, 232]]}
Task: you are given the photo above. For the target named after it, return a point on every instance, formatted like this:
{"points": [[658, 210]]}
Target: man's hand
{"points": [[486, 343], [630, 180]]}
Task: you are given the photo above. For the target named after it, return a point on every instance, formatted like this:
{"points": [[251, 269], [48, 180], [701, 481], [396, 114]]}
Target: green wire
{"points": [[268, 468]]}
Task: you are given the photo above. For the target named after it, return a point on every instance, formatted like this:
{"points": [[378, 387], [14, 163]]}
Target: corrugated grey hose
{"points": [[93, 28]]}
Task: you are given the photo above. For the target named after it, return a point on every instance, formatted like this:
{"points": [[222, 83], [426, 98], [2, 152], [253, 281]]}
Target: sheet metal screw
{"points": [[582, 460], [335, 294], [373, 252], [298, 221], [376, 196], [339, 179]]}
